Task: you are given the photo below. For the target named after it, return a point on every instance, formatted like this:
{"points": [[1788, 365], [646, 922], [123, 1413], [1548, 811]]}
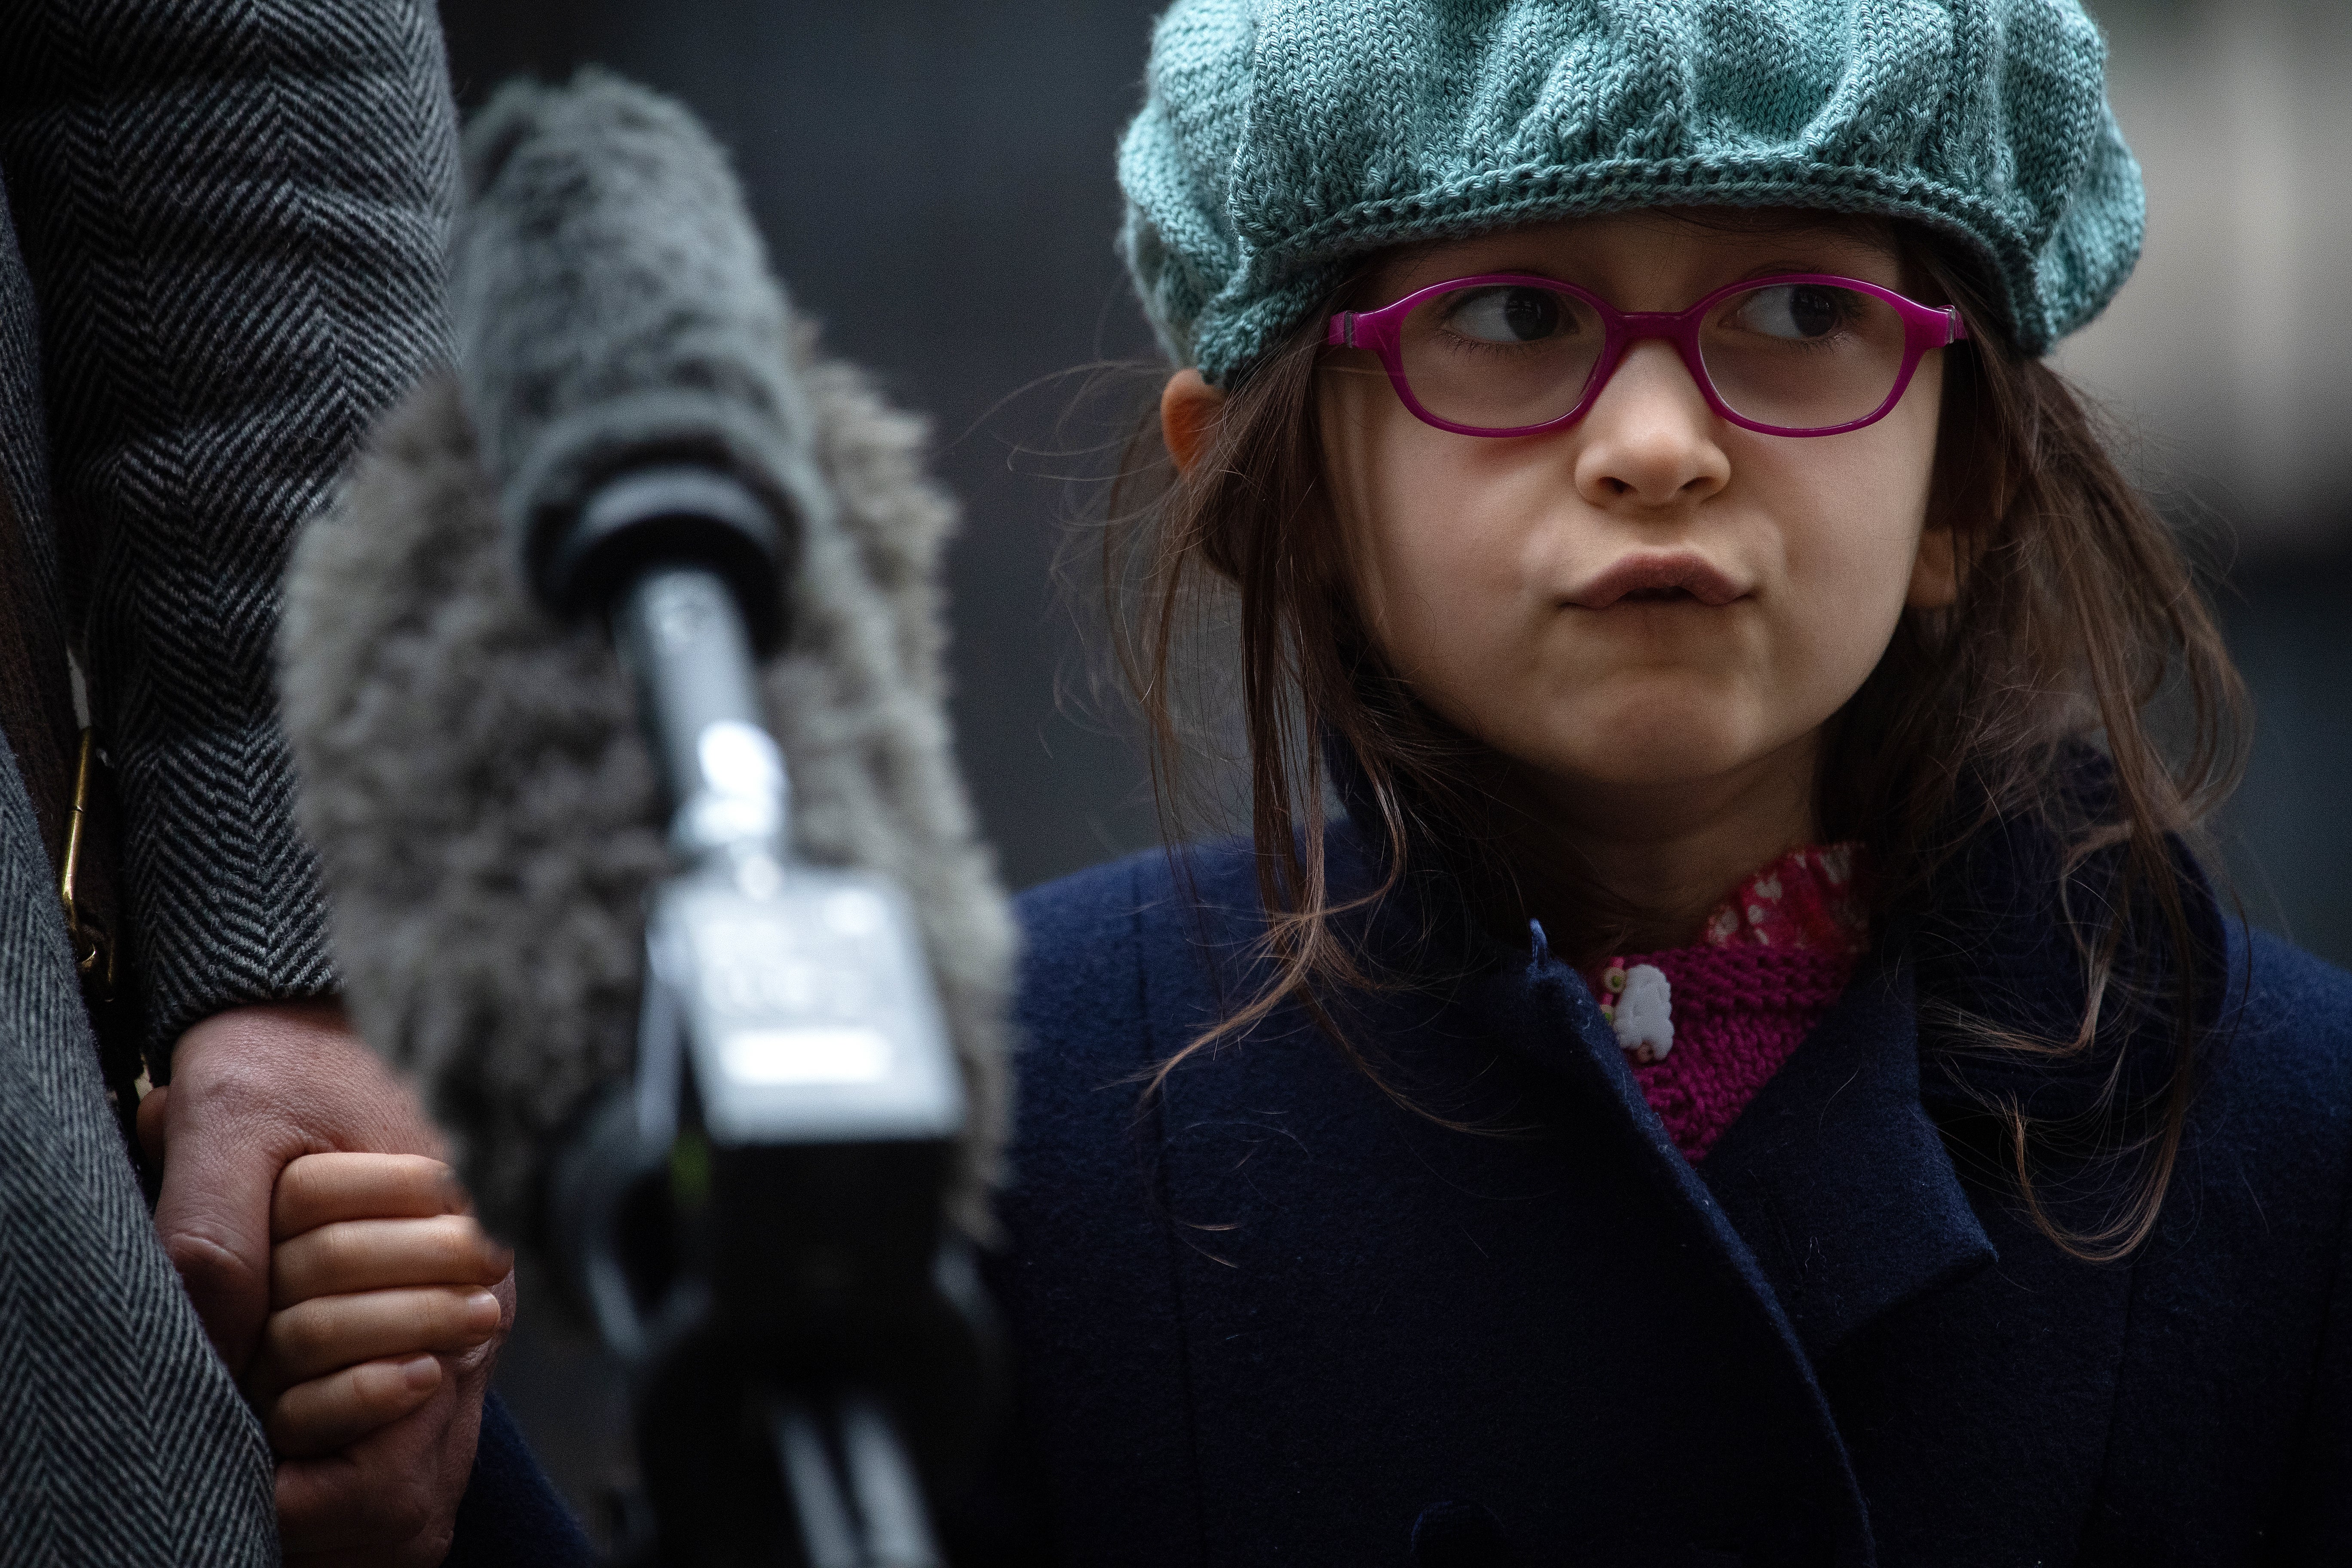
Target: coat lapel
{"points": [[1833, 1189], [1525, 1002], [1837, 1178]]}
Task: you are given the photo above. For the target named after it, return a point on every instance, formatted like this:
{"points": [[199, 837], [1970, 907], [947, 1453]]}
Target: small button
{"points": [[1459, 1535]]}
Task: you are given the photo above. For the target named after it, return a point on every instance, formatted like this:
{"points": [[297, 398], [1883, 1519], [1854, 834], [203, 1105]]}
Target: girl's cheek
{"points": [[1851, 532], [1412, 528], [1443, 533]]}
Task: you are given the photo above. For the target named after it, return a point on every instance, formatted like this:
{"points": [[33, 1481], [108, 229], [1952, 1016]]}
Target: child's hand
{"points": [[376, 1275]]}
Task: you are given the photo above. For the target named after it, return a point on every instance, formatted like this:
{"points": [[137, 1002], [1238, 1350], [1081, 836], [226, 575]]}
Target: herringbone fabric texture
{"points": [[1281, 138], [232, 214], [219, 259], [123, 1440]]}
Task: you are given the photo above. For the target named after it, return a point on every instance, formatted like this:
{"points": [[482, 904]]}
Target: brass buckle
{"points": [[94, 949]]}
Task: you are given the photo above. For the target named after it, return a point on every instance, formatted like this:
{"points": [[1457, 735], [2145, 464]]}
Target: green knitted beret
{"points": [[1281, 137]]}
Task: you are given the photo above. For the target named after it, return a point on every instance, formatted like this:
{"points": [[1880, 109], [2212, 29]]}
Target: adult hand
{"points": [[253, 1088]]}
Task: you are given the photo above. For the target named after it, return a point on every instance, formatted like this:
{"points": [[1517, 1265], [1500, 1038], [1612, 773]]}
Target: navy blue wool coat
{"points": [[1274, 1317]]}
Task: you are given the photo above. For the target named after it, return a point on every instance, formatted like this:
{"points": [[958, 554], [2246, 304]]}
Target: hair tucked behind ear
{"points": [[2077, 609]]}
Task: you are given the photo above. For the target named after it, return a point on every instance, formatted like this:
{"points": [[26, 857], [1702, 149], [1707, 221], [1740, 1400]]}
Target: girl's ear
{"points": [[1189, 407], [1935, 571]]}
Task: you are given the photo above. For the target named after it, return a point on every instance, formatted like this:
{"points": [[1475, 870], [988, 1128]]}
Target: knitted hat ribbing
{"points": [[1281, 137]]}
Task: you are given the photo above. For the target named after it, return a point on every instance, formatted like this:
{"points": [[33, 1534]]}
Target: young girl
{"points": [[1746, 1068]]}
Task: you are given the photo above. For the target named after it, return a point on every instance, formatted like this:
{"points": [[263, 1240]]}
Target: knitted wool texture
{"points": [[1774, 958], [1739, 1013], [1279, 138]]}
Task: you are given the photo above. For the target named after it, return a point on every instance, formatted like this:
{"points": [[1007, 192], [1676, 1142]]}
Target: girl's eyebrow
{"points": [[1785, 262], [1790, 246], [1503, 261], [1528, 267], [1816, 264]]}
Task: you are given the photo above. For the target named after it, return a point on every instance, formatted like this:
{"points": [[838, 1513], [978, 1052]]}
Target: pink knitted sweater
{"points": [[1774, 957]]}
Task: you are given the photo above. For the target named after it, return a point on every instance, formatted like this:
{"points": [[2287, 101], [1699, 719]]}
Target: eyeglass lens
{"points": [[1798, 356]]}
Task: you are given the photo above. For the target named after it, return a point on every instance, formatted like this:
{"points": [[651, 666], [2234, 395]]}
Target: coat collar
{"points": [[1831, 1193], [1832, 1188], [1538, 1008], [1835, 1179]]}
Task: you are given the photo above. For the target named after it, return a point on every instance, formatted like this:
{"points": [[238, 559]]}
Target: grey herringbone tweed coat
{"points": [[220, 255]]}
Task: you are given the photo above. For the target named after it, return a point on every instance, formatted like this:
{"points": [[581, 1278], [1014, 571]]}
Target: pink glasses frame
{"points": [[1924, 327]]}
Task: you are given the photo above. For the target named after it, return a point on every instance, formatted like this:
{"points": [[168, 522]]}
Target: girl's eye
{"points": [[1508, 314], [1799, 312]]}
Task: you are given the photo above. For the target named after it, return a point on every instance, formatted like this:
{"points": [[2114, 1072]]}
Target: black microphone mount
{"points": [[755, 1222]]}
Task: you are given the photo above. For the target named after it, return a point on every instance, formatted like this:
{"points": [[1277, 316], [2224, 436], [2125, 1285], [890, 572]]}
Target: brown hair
{"points": [[2077, 610]]}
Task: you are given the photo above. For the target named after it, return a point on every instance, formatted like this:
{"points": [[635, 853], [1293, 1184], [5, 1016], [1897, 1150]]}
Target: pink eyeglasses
{"points": [[1507, 354]]}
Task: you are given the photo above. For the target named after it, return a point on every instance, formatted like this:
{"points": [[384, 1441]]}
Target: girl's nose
{"points": [[1650, 438]]}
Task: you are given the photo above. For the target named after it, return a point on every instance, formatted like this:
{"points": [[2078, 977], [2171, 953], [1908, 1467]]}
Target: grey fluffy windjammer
{"points": [[488, 816], [614, 307]]}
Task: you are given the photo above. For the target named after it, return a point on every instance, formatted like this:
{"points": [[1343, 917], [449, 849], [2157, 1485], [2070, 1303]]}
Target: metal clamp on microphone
{"points": [[672, 513], [756, 1223]]}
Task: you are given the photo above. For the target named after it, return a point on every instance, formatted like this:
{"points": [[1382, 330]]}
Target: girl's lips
{"points": [[1654, 572]]}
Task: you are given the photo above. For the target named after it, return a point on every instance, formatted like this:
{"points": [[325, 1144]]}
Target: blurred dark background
{"points": [[935, 181]]}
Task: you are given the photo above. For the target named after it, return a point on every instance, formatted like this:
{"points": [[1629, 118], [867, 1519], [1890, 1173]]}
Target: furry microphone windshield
{"points": [[474, 777], [613, 310]]}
